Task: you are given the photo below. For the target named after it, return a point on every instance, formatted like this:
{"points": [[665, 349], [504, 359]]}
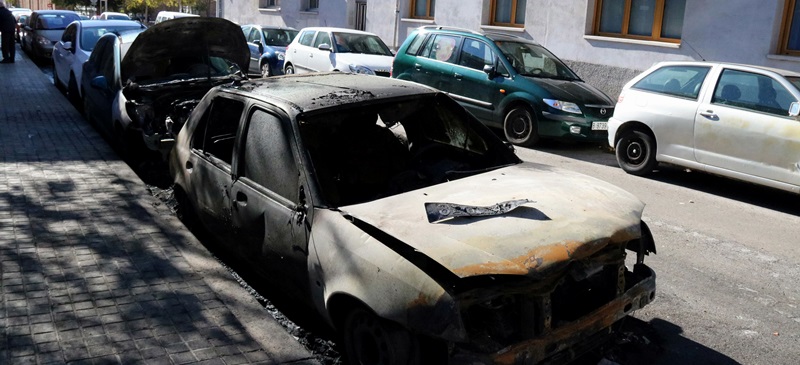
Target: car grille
{"points": [[597, 111]]}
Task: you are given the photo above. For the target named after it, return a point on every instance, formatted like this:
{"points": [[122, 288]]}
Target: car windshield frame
{"points": [[278, 37], [523, 57], [344, 42]]}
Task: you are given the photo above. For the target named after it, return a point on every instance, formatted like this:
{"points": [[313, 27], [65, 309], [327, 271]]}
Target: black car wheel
{"points": [[370, 340], [289, 70], [265, 70], [636, 152], [520, 127]]}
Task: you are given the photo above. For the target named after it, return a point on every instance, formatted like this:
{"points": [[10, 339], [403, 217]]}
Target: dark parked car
{"points": [[44, 29], [406, 224], [19, 13], [21, 23], [267, 48], [162, 75], [507, 82]]}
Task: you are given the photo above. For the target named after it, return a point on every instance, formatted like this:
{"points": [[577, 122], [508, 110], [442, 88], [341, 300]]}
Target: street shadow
{"points": [[596, 153]]}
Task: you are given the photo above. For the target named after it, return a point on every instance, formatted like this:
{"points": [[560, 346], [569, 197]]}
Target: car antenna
{"points": [[695, 51]]}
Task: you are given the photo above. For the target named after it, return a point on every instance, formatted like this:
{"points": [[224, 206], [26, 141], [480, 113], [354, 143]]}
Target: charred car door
{"points": [[210, 163], [269, 203]]}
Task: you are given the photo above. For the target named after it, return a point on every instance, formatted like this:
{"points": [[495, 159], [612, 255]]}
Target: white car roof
{"points": [[782, 72], [337, 30]]}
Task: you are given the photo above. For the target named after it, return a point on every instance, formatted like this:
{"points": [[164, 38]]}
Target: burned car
{"points": [[407, 224], [170, 66]]}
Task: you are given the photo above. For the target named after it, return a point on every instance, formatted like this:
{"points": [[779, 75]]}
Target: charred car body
{"points": [[170, 66], [407, 224]]}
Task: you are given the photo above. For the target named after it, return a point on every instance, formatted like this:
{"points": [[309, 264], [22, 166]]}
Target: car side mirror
{"points": [[490, 70], [68, 45], [260, 45], [325, 47], [794, 109], [99, 82]]}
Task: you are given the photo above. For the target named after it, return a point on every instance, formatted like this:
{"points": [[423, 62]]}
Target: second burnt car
{"points": [[409, 226], [166, 71]]}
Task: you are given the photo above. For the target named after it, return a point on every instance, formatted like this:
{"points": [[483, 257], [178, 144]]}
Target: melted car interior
{"points": [[366, 153]]}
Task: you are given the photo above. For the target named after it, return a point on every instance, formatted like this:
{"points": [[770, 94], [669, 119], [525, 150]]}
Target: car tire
{"points": [[520, 127], [636, 152], [369, 339], [73, 94], [57, 82], [265, 70], [289, 70]]}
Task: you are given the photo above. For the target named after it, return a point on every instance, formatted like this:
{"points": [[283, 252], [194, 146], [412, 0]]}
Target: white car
{"points": [[110, 15], [337, 49], [733, 120], [74, 48]]}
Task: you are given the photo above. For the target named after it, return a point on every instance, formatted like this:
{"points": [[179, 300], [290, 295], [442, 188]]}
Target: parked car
{"points": [[267, 48], [407, 224], [143, 91], [76, 43], [733, 120], [20, 28], [507, 82], [18, 14], [169, 15], [335, 49], [44, 29], [110, 15]]}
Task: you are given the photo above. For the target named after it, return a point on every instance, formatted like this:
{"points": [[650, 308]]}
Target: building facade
{"points": [[607, 42]]}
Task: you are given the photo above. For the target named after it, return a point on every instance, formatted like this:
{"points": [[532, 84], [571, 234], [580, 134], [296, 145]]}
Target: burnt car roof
{"points": [[310, 92], [187, 36]]}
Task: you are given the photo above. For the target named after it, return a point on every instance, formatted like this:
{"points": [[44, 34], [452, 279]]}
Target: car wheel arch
{"points": [[637, 126]]}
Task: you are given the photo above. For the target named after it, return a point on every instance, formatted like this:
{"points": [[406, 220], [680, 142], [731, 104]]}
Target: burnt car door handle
{"points": [[241, 198], [189, 165]]}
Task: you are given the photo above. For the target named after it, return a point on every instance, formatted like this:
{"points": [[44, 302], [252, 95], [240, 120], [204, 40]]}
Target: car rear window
{"points": [[682, 81]]}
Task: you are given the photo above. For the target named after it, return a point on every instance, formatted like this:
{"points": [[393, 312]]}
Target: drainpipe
{"points": [[396, 23]]}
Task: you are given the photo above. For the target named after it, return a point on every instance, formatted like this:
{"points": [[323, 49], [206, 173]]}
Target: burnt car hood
{"points": [[574, 91], [571, 217], [187, 37]]}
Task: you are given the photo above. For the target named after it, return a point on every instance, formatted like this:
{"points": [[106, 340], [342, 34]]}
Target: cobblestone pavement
{"points": [[93, 270]]}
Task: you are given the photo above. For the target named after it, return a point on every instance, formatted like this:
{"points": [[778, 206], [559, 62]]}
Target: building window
{"points": [[312, 5], [510, 13], [268, 4], [422, 9], [660, 20], [790, 37]]}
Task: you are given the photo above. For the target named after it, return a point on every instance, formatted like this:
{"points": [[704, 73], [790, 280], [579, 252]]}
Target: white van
{"points": [[167, 15]]}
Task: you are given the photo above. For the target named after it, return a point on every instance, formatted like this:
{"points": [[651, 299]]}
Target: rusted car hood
{"points": [[188, 36], [572, 216]]}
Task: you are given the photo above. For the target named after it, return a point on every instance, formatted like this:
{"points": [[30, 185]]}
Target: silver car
{"points": [[732, 120]]}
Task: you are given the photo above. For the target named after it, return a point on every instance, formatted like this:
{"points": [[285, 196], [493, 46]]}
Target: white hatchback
{"points": [[323, 49], [733, 120]]}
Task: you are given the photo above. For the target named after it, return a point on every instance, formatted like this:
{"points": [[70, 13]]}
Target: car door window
{"points": [[475, 54], [442, 47], [683, 81], [267, 157], [306, 38], [255, 35], [219, 126], [69, 33], [105, 65], [322, 38], [752, 91]]}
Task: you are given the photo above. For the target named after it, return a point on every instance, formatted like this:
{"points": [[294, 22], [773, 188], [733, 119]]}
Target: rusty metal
{"points": [[441, 211]]}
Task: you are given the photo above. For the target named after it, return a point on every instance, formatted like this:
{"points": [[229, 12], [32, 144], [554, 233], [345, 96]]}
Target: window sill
{"points": [[503, 29], [309, 12], [415, 20], [783, 57], [270, 10], [631, 41]]}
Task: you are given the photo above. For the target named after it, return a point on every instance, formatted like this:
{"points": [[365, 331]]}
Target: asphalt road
{"points": [[728, 263]]}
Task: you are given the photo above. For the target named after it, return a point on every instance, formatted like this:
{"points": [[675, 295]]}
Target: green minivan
{"points": [[507, 82]]}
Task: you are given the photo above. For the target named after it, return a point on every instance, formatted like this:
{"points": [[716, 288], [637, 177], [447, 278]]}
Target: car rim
{"points": [[519, 127], [369, 341], [265, 70], [635, 152]]}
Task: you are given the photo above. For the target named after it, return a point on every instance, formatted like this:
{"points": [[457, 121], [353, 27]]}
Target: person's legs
{"points": [[8, 46]]}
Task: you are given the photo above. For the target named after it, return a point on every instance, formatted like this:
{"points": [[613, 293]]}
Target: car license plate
{"points": [[599, 126]]}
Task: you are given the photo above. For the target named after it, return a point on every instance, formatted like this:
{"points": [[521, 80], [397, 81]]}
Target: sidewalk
{"points": [[93, 270]]}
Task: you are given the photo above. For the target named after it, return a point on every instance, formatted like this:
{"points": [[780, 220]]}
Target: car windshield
{"points": [[360, 43], [279, 37], [530, 59], [373, 151], [89, 36], [55, 21]]}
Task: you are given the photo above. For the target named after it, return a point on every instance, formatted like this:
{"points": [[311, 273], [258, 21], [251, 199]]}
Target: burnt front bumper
{"points": [[570, 340]]}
